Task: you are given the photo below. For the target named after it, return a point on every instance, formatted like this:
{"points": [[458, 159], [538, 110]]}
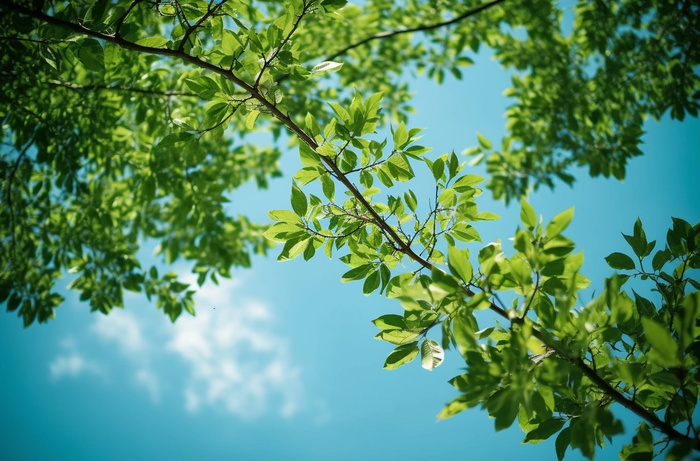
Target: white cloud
{"points": [[127, 330], [150, 381], [124, 328], [72, 365], [233, 359], [236, 362]]}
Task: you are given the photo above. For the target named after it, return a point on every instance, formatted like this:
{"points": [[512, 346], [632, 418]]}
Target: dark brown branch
{"points": [[423, 28]]}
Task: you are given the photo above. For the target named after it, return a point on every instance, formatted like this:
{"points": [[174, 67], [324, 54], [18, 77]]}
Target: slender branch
{"points": [[437, 205], [334, 237], [179, 54], [423, 28], [122, 18], [210, 12], [370, 166], [267, 61], [534, 293], [128, 89], [223, 121], [348, 213]]}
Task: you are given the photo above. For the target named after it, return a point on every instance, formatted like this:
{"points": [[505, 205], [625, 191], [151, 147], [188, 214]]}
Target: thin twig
{"points": [[128, 89], [276, 51], [423, 28], [122, 18], [210, 12]]}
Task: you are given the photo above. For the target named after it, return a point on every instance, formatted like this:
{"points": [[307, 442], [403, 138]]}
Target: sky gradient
{"points": [[279, 362]]}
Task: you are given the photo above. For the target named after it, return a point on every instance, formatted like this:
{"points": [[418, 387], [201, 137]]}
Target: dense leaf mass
{"points": [[125, 122]]}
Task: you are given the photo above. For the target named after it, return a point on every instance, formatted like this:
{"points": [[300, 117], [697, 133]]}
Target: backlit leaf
{"points": [[559, 223], [432, 354], [401, 355], [326, 66]]}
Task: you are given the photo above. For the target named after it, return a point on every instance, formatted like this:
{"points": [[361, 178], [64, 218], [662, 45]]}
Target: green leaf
{"points": [[638, 240], [432, 354], [356, 273], [284, 215], [398, 336], [250, 119], [390, 322], [312, 124], [620, 261], [340, 112], [465, 233], [503, 405], [371, 283], [645, 307], [283, 231], [544, 431], [527, 215], [485, 143], [438, 168], [458, 262], [448, 198], [464, 183], [153, 42], [307, 156], [562, 443], [686, 324], [487, 216], [457, 405], [293, 248], [443, 281], [298, 199], [660, 258], [559, 223], [230, 43], [662, 343], [401, 355], [307, 175], [328, 187], [400, 136], [411, 200], [91, 54], [204, 86]]}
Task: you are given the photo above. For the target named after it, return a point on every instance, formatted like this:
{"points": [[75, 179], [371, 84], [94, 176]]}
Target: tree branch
{"points": [[423, 28], [127, 89], [267, 61], [210, 12]]}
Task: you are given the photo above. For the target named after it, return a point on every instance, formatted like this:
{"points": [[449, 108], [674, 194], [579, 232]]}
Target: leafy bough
{"points": [[554, 367], [552, 364]]}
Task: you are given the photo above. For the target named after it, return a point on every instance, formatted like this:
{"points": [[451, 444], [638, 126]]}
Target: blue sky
{"points": [[279, 362]]}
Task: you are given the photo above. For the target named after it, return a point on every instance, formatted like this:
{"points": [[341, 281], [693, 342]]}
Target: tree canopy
{"points": [[127, 121]]}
